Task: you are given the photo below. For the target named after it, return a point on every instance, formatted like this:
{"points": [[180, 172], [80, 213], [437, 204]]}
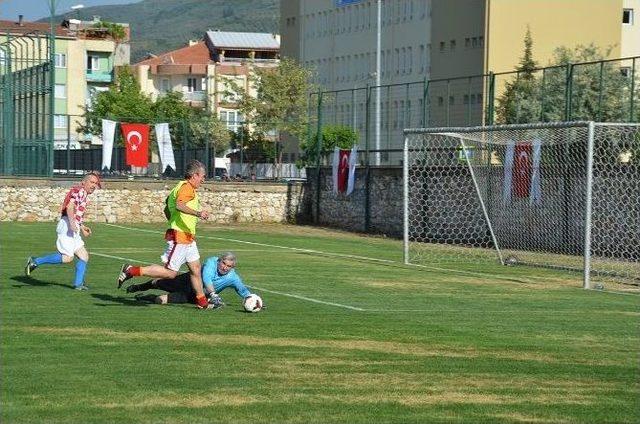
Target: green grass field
{"points": [[343, 338]]}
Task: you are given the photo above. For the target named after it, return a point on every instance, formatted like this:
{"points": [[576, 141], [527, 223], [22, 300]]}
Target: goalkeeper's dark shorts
{"points": [[182, 283]]}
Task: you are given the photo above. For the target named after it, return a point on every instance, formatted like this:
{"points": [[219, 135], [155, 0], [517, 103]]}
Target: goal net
{"points": [[561, 195]]}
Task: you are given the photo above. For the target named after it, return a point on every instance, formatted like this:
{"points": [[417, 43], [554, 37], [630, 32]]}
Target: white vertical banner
{"points": [[353, 160], [508, 171], [336, 163], [108, 134], [165, 148], [535, 194]]}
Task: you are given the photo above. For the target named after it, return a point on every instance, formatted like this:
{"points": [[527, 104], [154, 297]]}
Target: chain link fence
{"points": [[561, 195]]}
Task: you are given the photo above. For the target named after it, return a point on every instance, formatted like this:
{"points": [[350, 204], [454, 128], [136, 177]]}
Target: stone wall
{"points": [[143, 201], [450, 210]]}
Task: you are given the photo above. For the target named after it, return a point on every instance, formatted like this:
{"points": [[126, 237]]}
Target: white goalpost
{"points": [[560, 195]]}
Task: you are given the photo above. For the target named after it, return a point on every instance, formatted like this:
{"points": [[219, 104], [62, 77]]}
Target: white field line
{"points": [[321, 253], [308, 299], [515, 280]]}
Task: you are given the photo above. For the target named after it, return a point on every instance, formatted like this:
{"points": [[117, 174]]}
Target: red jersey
{"points": [[78, 196]]}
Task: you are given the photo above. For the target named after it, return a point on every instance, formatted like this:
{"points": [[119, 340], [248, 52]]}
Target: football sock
{"points": [[81, 268], [52, 258], [134, 271]]}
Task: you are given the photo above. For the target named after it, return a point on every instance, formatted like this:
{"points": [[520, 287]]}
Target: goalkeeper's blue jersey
{"points": [[210, 277]]}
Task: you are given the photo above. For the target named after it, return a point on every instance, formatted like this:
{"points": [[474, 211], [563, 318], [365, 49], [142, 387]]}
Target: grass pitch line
{"points": [[308, 299], [339, 255]]}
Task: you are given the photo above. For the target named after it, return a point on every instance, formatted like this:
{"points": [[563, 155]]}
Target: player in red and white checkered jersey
{"points": [[70, 231]]}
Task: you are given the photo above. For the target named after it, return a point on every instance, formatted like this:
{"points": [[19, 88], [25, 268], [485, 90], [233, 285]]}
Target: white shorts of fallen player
{"points": [[68, 242], [177, 254]]}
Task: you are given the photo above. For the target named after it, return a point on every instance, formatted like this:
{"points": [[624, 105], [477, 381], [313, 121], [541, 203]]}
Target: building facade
{"points": [[85, 57], [439, 40], [201, 70]]}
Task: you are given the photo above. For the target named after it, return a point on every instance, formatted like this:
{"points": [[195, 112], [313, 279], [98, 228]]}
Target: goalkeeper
{"points": [[218, 273]]}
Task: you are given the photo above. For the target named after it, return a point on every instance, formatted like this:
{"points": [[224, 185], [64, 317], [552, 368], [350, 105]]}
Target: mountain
{"points": [[161, 25]]}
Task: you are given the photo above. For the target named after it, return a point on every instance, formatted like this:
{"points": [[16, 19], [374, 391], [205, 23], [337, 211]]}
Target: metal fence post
{"points": [[68, 144], [367, 172], [633, 89], [425, 107], [600, 88], [318, 153], [568, 90], [490, 101]]}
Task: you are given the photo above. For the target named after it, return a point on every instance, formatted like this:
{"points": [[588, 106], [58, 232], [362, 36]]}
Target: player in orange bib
{"points": [[183, 212]]}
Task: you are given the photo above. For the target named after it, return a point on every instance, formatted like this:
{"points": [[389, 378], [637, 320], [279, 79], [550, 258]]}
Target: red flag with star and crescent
{"points": [[522, 170], [343, 171], [136, 140]]}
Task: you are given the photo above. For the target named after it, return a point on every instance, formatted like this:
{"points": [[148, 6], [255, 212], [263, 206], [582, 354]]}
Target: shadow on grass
{"points": [[120, 300], [30, 281]]}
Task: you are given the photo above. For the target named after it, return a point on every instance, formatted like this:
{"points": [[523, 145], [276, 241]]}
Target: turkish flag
{"points": [[136, 140], [522, 165], [343, 171]]}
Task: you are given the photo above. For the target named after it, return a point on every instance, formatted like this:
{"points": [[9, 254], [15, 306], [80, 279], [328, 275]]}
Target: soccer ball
{"points": [[252, 303]]}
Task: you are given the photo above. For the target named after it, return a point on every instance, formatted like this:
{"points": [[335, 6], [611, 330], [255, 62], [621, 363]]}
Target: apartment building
{"points": [[200, 69], [85, 57], [438, 40]]}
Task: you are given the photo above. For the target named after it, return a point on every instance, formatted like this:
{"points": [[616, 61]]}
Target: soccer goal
{"points": [[557, 195]]}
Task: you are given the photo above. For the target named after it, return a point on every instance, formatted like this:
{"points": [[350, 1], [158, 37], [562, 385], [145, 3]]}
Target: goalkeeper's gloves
{"points": [[215, 300], [201, 302]]}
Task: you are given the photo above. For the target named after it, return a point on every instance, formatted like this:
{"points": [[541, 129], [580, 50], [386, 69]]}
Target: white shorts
{"points": [[68, 242], [177, 254]]}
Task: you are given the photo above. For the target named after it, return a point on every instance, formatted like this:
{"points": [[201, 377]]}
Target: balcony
{"points": [[194, 96], [99, 76]]}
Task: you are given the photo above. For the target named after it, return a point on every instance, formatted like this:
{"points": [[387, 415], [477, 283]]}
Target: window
{"points": [[452, 100], [61, 60], [165, 85], [60, 121], [93, 63], [467, 42], [440, 101], [452, 45], [474, 42], [232, 118], [60, 91], [473, 99], [442, 46], [479, 98], [192, 85], [481, 41], [627, 16], [465, 99]]}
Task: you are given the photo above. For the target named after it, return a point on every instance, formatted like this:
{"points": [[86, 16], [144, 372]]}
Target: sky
{"points": [[36, 9]]}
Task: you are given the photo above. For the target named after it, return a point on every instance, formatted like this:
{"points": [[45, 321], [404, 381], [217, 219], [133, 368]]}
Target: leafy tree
{"points": [[115, 31], [206, 127], [280, 103], [255, 146], [520, 100], [123, 100], [598, 92], [341, 136]]}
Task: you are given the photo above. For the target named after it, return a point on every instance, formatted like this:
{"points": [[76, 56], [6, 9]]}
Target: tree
{"points": [[341, 136], [520, 100], [280, 103], [599, 91], [123, 100]]}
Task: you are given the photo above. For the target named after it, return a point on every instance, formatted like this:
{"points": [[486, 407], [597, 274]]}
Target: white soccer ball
{"points": [[252, 303]]}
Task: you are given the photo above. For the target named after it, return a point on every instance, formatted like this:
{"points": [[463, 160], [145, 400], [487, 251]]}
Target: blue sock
{"points": [[52, 258], [81, 268]]}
